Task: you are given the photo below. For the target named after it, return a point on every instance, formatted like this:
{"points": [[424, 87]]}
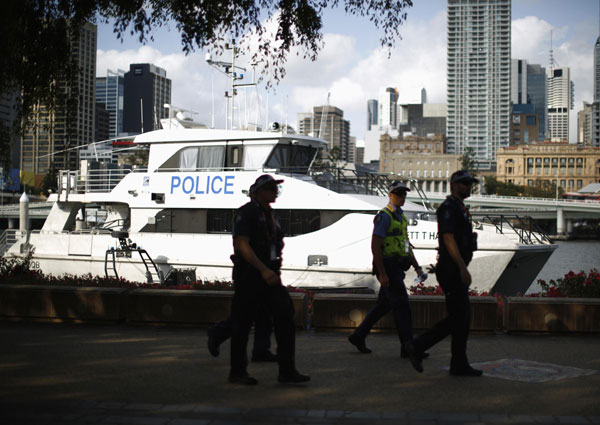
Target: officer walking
{"points": [[263, 326], [457, 241], [257, 244], [392, 256]]}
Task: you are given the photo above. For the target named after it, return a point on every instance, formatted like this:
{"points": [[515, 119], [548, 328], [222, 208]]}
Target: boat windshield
{"points": [[291, 158], [283, 157]]}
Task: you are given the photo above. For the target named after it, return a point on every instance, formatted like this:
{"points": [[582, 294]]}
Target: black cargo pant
{"points": [[263, 327], [250, 298], [456, 323], [394, 298]]}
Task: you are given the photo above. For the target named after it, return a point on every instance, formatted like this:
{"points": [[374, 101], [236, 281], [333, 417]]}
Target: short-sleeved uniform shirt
{"points": [[453, 217], [262, 229], [382, 222]]}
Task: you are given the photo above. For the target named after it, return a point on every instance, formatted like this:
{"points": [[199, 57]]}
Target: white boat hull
{"points": [[345, 246]]}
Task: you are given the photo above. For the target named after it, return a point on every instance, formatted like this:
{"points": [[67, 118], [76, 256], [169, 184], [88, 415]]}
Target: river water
{"points": [[569, 256]]}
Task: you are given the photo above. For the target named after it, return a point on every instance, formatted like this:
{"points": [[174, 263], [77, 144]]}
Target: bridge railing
{"points": [[523, 226]]}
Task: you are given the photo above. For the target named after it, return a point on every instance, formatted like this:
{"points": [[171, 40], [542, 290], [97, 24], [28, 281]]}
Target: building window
{"points": [[579, 184]]}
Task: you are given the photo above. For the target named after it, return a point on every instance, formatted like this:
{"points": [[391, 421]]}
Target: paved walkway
{"points": [[80, 374]]}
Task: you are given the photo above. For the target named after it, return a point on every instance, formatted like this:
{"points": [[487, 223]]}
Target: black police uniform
{"points": [[453, 217], [253, 296]]}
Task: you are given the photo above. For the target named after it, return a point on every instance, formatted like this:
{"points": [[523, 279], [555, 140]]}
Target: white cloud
{"points": [[353, 76], [419, 60], [531, 39]]}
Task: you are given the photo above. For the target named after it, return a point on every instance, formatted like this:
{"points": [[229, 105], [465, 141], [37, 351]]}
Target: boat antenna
{"points": [[230, 69]]}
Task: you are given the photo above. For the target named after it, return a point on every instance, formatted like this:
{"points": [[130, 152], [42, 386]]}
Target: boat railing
{"points": [[8, 238], [350, 180], [92, 181], [523, 226]]}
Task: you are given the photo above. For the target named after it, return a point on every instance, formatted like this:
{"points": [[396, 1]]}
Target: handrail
{"points": [[527, 231], [8, 238]]}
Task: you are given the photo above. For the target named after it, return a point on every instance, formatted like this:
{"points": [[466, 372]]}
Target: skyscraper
{"points": [[560, 102], [584, 124], [596, 104], [328, 123], [47, 141], [528, 87], [371, 113], [388, 104], [537, 95], [479, 49], [110, 91], [147, 89]]}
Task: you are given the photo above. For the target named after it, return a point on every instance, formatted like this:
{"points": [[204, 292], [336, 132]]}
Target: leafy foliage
{"points": [[37, 35], [540, 189], [468, 161]]}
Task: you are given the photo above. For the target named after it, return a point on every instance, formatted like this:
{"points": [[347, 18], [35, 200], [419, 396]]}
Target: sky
{"points": [[352, 67]]}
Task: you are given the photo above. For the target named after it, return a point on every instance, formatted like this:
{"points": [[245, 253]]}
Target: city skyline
{"points": [[353, 68]]}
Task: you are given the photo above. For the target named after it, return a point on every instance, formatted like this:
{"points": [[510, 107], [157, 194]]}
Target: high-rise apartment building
{"points": [[110, 91], [479, 37], [518, 81], [596, 107], [147, 89], [560, 102], [388, 104], [47, 141], [372, 106], [328, 123], [584, 124]]}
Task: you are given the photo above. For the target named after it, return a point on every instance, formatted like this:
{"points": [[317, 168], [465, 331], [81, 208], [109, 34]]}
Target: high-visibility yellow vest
{"points": [[395, 243]]}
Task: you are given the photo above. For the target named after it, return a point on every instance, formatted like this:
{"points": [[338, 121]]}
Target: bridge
{"points": [[564, 211]]}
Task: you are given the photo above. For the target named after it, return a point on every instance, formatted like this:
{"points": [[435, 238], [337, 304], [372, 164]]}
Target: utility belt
{"points": [[400, 260], [242, 269]]}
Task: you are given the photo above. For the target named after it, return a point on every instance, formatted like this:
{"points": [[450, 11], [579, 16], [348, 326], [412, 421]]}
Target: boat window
{"points": [[194, 158], [188, 158], [291, 158], [255, 156], [211, 157], [234, 156], [219, 221], [299, 222]]}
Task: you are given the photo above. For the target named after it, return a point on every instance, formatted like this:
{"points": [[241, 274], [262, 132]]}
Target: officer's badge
{"points": [[377, 219]]}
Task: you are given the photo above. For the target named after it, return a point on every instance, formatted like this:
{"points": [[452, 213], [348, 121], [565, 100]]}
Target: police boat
{"points": [[176, 213]]}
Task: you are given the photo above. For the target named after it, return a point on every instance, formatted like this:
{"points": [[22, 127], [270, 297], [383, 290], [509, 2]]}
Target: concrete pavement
{"points": [[66, 373]]}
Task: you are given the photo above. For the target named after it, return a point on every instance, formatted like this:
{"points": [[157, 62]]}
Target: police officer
{"points": [[257, 244], [392, 256], [263, 326], [457, 241]]}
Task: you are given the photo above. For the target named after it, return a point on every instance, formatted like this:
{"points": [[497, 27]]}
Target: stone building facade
{"points": [[419, 158], [573, 166]]}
